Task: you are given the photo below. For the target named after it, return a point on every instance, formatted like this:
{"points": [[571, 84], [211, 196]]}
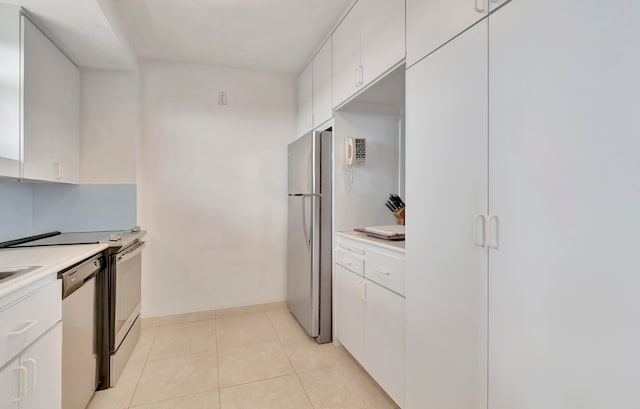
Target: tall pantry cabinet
{"points": [[537, 243]]}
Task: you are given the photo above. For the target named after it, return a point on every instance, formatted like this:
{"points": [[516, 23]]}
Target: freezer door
{"points": [[303, 265], [304, 164]]}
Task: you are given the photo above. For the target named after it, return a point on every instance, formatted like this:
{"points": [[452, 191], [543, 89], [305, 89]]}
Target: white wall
{"points": [[109, 126], [213, 186], [363, 203]]}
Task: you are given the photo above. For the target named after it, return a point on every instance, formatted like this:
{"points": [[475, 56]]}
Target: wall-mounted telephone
{"points": [[355, 151]]}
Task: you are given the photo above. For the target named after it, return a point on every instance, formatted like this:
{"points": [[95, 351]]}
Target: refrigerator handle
{"points": [[307, 237]]}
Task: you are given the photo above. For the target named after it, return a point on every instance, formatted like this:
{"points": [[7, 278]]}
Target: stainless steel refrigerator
{"points": [[309, 233]]}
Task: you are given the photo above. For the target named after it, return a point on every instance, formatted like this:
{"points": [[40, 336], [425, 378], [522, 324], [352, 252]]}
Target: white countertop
{"points": [[52, 260], [397, 245]]}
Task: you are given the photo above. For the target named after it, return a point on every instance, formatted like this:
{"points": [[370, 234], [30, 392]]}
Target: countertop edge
{"points": [[14, 286]]}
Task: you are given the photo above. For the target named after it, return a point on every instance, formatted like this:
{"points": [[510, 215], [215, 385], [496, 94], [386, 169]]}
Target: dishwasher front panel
{"points": [[79, 351]]}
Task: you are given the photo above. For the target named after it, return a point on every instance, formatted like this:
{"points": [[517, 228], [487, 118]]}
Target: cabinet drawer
{"points": [[349, 260], [24, 321], [386, 270]]}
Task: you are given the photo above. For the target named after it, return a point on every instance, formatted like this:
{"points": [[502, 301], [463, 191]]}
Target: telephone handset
{"points": [[354, 151]]}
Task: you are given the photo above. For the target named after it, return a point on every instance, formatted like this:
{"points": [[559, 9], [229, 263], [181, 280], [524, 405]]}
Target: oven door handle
{"points": [[131, 253]]}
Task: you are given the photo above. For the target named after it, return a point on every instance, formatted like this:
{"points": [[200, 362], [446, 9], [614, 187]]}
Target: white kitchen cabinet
{"points": [[384, 338], [562, 215], [34, 380], [305, 100], [43, 364], [431, 23], [40, 100], [383, 37], [369, 317], [31, 350], [345, 48], [9, 385], [446, 283], [322, 92], [564, 182], [51, 107], [349, 306], [367, 43], [10, 91]]}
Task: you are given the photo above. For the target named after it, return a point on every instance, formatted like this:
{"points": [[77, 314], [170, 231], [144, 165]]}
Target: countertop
{"points": [[397, 245], [52, 260]]}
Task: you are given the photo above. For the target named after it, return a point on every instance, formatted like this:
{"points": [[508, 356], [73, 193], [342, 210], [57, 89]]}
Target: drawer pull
{"points": [[25, 329], [347, 261], [380, 270]]}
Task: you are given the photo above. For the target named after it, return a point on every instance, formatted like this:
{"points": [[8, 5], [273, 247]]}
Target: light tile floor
{"points": [[239, 359]]}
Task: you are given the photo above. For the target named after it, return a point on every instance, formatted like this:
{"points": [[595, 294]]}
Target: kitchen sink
{"points": [[11, 272]]}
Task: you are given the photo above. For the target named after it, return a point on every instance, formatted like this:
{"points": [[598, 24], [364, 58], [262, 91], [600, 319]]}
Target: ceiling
{"points": [[87, 30], [268, 35]]}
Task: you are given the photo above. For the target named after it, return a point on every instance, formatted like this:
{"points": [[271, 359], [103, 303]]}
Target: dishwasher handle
{"points": [[132, 252], [75, 277]]}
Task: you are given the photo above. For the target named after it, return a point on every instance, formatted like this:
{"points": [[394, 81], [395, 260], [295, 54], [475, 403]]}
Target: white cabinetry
{"points": [[369, 317], [43, 364], [51, 110], [368, 42], [40, 104], [556, 324], [9, 391], [349, 306], [304, 100], [322, 92], [31, 353], [564, 175], [431, 23], [345, 43], [9, 91], [447, 176]]}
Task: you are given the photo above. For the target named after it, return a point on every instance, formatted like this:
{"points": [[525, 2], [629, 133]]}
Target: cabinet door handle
{"points": [[361, 82], [34, 374], [480, 242], [365, 295], [22, 380], [494, 242], [25, 329], [359, 290], [347, 261], [356, 82], [480, 7], [380, 270]]}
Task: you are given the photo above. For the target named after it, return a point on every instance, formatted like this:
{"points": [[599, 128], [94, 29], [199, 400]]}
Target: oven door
{"points": [[128, 289]]}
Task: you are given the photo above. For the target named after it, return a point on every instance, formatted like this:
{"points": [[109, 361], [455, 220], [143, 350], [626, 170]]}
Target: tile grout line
{"points": [[144, 365], [295, 371]]}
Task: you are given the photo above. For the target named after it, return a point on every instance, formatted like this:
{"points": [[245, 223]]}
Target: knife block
{"points": [[400, 216]]}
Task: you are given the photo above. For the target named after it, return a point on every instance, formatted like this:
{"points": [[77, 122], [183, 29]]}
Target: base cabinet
{"points": [[34, 380], [369, 322]]}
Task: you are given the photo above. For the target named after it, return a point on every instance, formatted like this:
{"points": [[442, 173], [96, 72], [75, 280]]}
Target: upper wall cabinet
{"points": [[304, 101], [431, 23], [322, 93], [9, 91], [40, 104], [51, 110], [368, 42]]}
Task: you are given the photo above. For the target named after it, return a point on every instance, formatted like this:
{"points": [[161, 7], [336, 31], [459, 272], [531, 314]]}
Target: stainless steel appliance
{"points": [[118, 293], [309, 233], [79, 338], [125, 285]]}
